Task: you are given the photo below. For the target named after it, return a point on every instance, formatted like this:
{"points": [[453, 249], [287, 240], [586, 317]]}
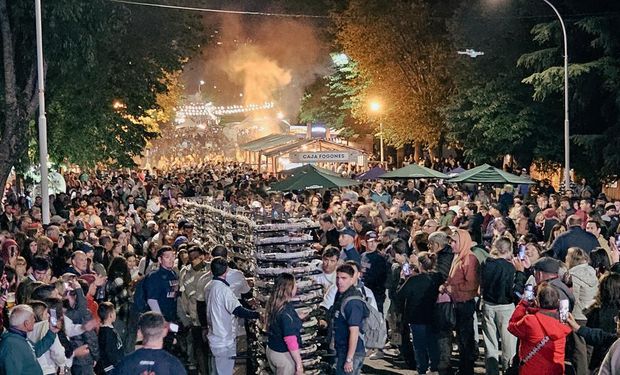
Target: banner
{"points": [[323, 156]]}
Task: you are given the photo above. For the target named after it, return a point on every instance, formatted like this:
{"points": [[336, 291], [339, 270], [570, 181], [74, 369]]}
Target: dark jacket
{"points": [[473, 224], [444, 262], [564, 290], [374, 271], [497, 277], [547, 227], [417, 296], [411, 195], [597, 337], [79, 314], [601, 318], [393, 280], [575, 236], [111, 348]]}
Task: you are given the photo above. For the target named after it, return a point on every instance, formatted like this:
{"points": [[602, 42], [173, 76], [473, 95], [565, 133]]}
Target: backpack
{"points": [[375, 331]]}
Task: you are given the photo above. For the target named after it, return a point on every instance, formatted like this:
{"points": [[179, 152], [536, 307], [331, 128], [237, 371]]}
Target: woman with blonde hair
{"points": [[283, 327], [584, 280]]}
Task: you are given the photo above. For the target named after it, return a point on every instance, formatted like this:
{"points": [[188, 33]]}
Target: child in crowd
{"points": [[110, 344]]}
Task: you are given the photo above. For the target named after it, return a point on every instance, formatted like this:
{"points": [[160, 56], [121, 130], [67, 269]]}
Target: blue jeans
{"points": [[358, 362], [426, 347]]}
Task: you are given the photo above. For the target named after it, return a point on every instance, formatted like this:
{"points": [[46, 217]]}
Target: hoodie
{"points": [[530, 326], [585, 287]]}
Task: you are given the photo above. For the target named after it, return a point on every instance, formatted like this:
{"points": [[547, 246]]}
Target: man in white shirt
{"points": [[327, 277], [241, 289], [222, 305]]}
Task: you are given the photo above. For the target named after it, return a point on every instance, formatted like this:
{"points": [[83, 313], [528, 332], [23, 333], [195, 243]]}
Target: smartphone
{"points": [[521, 252], [618, 241], [174, 327], [563, 310], [53, 318], [406, 269], [528, 294]]}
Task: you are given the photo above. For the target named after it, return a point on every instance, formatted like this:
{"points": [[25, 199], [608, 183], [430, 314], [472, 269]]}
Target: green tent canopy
{"points": [[414, 171], [488, 174], [313, 178], [307, 168]]}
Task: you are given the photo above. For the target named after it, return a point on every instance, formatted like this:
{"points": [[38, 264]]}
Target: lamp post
{"points": [[566, 122], [45, 196], [200, 83], [376, 107]]}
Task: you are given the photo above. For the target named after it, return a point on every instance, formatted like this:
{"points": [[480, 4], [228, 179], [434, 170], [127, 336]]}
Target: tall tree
{"points": [[402, 49], [106, 64], [491, 113], [594, 70], [333, 99]]}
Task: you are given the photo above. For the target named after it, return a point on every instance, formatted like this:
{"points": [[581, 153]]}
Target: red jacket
{"points": [[93, 307], [530, 326]]}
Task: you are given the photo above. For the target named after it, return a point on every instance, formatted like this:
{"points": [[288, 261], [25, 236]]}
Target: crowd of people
{"points": [[119, 283]]}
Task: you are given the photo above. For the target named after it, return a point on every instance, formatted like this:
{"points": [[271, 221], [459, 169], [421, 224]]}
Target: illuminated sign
{"points": [[323, 156]]}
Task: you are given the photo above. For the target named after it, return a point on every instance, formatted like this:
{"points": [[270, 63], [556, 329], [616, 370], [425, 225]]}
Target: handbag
{"points": [[445, 316]]}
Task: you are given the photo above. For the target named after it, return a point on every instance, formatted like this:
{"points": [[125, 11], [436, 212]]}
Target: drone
{"points": [[471, 53]]}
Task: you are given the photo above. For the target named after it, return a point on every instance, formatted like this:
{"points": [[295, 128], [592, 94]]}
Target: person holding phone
{"points": [[542, 337], [16, 350]]}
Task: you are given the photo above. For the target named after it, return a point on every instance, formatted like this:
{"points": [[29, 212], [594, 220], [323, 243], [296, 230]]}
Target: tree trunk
{"points": [[14, 141], [417, 153], [5, 171]]}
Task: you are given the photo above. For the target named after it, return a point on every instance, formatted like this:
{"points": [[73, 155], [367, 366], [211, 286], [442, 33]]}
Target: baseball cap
{"points": [[179, 241], [371, 235], [348, 231]]}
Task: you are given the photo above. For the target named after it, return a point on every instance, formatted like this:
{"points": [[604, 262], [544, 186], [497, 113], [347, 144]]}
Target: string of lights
{"points": [[210, 111]]}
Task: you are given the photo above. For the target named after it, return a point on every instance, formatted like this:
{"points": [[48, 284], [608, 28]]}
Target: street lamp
{"points": [[200, 83], [566, 123], [375, 106]]}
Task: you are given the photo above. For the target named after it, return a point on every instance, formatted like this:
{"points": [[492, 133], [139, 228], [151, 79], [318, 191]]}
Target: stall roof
{"points": [[318, 143], [268, 142], [283, 149], [487, 174]]}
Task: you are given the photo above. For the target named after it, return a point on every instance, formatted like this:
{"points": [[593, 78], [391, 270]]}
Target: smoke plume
{"points": [[252, 60]]}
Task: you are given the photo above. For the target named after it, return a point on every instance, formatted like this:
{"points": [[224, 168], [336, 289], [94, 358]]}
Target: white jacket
{"points": [[585, 287], [52, 359]]}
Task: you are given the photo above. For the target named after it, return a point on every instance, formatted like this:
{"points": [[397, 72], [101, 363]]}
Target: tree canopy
{"points": [[107, 64], [401, 49]]}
